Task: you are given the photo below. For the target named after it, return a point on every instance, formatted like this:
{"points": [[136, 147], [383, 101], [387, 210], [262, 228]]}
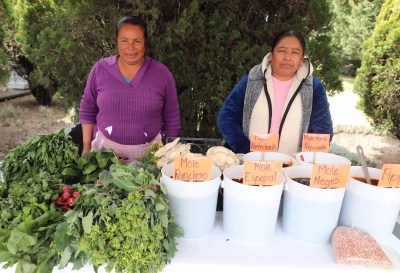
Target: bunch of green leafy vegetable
{"points": [[45, 153], [124, 223], [29, 199], [28, 223], [87, 168]]}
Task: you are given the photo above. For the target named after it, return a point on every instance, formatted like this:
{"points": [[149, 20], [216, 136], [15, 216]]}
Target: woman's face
{"points": [[131, 44], [286, 58]]}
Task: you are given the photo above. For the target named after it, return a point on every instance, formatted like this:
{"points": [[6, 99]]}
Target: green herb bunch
{"points": [[28, 223], [149, 157], [88, 167], [124, 224], [45, 153], [27, 200]]}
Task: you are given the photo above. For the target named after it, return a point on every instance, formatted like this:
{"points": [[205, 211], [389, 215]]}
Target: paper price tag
{"points": [[329, 176], [262, 172], [192, 169], [316, 142], [390, 176], [264, 142]]}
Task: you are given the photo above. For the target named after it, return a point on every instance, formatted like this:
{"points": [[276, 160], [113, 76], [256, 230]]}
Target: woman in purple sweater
{"points": [[130, 100]]}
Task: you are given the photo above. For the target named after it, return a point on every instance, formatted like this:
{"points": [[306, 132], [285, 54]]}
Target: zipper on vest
{"points": [[288, 107]]}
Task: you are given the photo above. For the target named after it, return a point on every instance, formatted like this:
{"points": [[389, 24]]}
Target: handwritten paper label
{"points": [[193, 169], [264, 142], [262, 172], [316, 143], [329, 176], [390, 176]]}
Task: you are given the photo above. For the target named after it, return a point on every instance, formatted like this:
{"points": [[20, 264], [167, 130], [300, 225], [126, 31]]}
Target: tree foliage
{"points": [[207, 45], [353, 23], [378, 79], [5, 11]]}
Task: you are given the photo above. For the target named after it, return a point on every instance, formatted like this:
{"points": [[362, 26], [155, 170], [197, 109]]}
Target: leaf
{"points": [[61, 238], [87, 222], [5, 255], [25, 266], [65, 257], [149, 193], [160, 206], [89, 169], [20, 241], [124, 184]]}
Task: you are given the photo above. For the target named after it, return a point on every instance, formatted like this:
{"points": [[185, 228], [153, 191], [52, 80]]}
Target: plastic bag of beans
{"points": [[354, 246]]}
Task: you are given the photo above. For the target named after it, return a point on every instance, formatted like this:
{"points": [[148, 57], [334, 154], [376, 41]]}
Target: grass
{"points": [[348, 82], [10, 111], [45, 111]]}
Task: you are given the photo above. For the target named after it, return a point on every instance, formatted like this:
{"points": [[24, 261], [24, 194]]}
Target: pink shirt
{"points": [[281, 89]]}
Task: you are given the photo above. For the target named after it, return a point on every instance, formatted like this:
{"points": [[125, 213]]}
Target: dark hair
{"points": [[291, 33], [134, 21]]}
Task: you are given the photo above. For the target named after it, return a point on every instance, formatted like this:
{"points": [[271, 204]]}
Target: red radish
{"points": [[154, 186], [66, 207], [66, 189], [59, 202], [75, 194], [65, 196], [69, 201]]}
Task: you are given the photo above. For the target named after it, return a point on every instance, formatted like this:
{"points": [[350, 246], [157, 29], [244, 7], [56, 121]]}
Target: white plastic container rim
{"points": [[320, 158], [247, 192], [186, 189], [258, 156], [388, 195], [306, 192]]}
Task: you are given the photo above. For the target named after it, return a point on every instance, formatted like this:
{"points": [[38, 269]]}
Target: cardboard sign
{"points": [[193, 169], [262, 172], [390, 176], [316, 143], [329, 176], [264, 142]]}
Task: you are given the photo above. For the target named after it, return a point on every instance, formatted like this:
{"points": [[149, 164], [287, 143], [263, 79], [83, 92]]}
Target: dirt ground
{"points": [[34, 121], [31, 121]]}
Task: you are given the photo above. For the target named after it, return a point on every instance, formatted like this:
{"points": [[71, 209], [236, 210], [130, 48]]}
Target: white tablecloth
{"points": [[218, 253]]}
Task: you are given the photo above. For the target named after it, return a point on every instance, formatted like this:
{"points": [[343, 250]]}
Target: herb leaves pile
{"points": [[45, 153], [124, 225]]}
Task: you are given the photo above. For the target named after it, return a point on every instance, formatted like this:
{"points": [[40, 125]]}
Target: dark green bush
{"points": [[207, 45], [378, 79]]}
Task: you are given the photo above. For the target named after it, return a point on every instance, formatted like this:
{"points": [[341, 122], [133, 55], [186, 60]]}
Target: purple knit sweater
{"points": [[137, 111]]}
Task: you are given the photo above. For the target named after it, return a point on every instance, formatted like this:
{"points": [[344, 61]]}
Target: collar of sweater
{"points": [[306, 69]]}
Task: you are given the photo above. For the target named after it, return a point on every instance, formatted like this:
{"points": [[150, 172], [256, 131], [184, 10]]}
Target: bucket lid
{"points": [[305, 192], [190, 189]]}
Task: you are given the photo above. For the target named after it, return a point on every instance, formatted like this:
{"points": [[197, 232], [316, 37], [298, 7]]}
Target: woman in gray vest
{"points": [[279, 96]]}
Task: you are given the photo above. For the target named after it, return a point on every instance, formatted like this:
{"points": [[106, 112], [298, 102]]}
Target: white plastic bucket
{"points": [[193, 203], [250, 212], [370, 208], [258, 156], [309, 214], [306, 158]]}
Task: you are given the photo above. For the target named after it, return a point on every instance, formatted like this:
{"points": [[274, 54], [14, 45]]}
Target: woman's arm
{"points": [[171, 113], [88, 110], [320, 120], [230, 119], [87, 132]]}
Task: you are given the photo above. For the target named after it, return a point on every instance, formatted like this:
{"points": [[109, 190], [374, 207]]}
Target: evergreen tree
{"points": [[353, 23], [5, 10], [207, 45], [378, 79]]}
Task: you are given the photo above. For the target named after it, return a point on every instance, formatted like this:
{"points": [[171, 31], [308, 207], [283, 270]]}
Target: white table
{"points": [[218, 253]]}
